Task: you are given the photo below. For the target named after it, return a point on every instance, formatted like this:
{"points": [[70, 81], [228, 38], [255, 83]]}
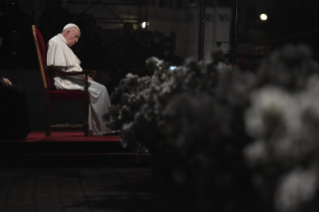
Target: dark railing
{"points": [[116, 19], [254, 53]]}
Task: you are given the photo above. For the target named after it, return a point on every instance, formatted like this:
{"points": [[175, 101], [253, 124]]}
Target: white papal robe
{"points": [[60, 54]]}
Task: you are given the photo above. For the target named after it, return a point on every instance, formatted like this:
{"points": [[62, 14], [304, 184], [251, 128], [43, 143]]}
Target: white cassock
{"points": [[60, 54]]}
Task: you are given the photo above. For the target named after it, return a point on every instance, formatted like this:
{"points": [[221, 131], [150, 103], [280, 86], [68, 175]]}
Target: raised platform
{"points": [[63, 142], [68, 148], [65, 136]]}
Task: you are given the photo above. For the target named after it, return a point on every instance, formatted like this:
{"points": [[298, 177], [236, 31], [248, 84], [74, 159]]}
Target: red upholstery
{"points": [[66, 95], [41, 52]]}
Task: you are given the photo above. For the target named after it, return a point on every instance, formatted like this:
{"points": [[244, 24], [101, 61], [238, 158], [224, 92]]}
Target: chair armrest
{"points": [[59, 69], [91, 73]]}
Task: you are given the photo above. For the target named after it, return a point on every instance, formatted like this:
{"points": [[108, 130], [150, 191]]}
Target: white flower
{"points": [[166, 88], [291, 134], [271, 100], [285, 148], [125, 108], [143, 80], [309, 98], [127, 126], [222, 67], [146, 111], [146, 94], [130, 76], [157, 62], [155, 81], [297, 187], [256, 152], [243, 82]]}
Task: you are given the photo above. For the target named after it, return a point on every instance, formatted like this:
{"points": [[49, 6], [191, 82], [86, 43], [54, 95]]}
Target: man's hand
{"points": [[90, 79], [7, 82]]}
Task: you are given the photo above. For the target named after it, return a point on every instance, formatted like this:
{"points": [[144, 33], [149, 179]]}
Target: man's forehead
{"points": [[76, 30]]}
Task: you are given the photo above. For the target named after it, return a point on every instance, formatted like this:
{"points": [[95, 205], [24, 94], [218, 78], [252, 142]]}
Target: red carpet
{"points": [[65, 136]]}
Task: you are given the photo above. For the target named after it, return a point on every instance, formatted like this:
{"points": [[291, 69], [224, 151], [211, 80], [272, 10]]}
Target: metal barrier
{"points": [[254, 53]]}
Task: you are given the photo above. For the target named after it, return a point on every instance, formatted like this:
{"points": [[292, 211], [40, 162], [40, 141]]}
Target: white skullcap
{"points": [[68, 26]]}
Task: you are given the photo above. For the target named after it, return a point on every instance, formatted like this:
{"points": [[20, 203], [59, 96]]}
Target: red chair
{"points": [[55, 95]]}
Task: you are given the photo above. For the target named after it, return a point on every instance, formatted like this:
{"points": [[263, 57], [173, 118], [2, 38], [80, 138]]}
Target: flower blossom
{"points": [[297, 187]]}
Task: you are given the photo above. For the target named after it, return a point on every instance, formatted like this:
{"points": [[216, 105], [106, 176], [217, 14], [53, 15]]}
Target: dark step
{"points": [[74, 160], [62, 147]]}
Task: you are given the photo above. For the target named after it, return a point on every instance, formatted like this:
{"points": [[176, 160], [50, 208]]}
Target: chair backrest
{"points": [[41, 53]]}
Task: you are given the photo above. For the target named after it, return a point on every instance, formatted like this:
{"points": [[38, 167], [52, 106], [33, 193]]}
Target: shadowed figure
{"points": [[14, 122], [165, 52]]}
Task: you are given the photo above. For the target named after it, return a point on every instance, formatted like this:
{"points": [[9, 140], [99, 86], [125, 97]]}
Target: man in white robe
{"points": [[60, 54]]}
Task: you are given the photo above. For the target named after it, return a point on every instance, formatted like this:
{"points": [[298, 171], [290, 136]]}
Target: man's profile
{"points": [[60, 54]]}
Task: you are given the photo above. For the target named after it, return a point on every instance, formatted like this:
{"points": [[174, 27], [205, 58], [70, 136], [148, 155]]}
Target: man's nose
{"points": [[76, 40]]}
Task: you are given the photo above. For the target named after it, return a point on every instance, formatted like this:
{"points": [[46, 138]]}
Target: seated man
{"points": [[60, 54], [14, 121]]}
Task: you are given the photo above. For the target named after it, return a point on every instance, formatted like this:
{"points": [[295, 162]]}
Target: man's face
{"points": [[72, 36], [166, 48]]}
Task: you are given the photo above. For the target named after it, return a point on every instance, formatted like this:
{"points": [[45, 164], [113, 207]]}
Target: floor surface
{"points": [[87, 189]]}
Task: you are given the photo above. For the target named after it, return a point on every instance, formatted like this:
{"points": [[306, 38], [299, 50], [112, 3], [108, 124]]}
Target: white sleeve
{"points": [[57, 56]]}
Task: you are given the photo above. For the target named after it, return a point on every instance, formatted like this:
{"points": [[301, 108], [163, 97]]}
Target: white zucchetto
{"points": [[70, 26]]}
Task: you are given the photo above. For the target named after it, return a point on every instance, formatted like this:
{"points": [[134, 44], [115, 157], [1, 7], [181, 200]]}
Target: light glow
{"points": [[263, 17], [143, 25]]}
